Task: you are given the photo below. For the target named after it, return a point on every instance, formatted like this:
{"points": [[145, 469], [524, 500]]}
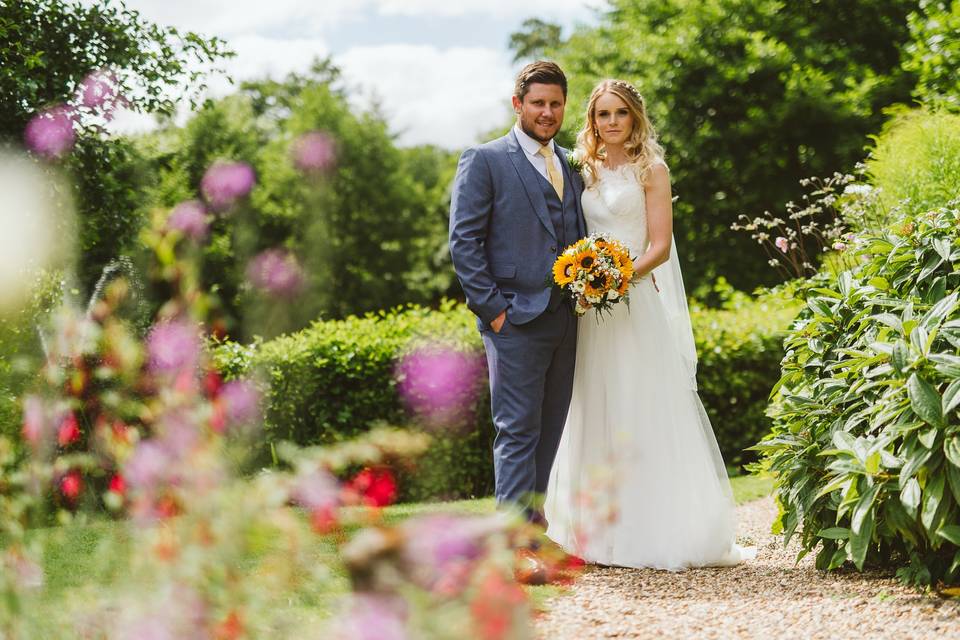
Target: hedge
{"points": [[334, 379]]}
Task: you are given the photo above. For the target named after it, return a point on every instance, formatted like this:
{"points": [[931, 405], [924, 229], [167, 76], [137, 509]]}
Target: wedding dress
{"points": [[638, 479]]}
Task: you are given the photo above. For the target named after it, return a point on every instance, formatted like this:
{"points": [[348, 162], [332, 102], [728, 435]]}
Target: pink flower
{"points": [[439, 546], [69, 430], [782, 243], [226, 182], [190, 219], [277, 273], [37, 426], [314, 152], [839, 246], [50, 133], [316, 490], [440, 384], [98, 89], [374, 617], [27, 573], [241, 401], [118, 485], [173, 347], [71, 485], [147, 466]]}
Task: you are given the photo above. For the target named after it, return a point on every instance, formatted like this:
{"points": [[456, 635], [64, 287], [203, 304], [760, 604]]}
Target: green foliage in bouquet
{"points": [[866, 438]]}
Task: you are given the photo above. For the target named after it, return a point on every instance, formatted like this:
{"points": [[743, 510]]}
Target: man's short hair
{"points": [[541, 71]]}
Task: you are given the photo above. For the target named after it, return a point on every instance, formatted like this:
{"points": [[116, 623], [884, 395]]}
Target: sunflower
{"points": [[564, 270], [585, 259], [598, 286]]}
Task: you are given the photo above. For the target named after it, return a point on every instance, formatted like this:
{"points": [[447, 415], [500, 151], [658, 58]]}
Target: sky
{"points": [[440, 70]]}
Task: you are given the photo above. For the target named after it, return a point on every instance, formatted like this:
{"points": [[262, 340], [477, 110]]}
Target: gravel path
{"points": [[769, 597]]}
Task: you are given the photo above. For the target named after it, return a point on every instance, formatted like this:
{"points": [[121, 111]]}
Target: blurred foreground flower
{"points": [[99, 90], [226, 182], [50, 133], [190, 219], [376, 486], [277, 273], [439, 384], [314, 152], [174, 347]]}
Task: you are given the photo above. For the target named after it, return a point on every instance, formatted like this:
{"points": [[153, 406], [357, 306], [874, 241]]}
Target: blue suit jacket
{"points": [[502, 240]]}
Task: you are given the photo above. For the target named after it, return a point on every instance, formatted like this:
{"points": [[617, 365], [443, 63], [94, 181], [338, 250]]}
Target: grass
{"points": [[79, 557]]}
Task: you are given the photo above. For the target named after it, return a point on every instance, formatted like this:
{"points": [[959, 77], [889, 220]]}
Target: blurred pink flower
{"points": [[226, 182], [440, 384], [37, 425], [314, 152], [190, 219], [782, 243], [241, 401], [71, 484], [147, 466], [69, 430], [437, 547], [50, 133], [374, 617], [173, 347], [98, 89], [27, 573], [839, 246], [316, 490], [277, 273]]}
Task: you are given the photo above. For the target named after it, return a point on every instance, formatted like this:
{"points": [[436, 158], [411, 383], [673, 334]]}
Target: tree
{"points": [[534, 39], [47, 49], [749, 96]]}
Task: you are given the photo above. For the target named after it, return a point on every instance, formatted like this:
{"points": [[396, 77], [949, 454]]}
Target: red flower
{"points": [[71, 485], [212, 383], [495, 605], [323, 519], [376, 486], [118, 485], [69, 430], [230, 628]]}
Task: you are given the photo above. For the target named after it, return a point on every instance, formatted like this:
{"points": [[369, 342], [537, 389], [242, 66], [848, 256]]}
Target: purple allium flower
{"points": [[148, 465], [98, 89], [189, 218], [173, 347], [317, 489], [226, 182], [241, 401], [782, 243], [314, 152], [277, 273], [374, 617], [50, 133], [438, 383]]}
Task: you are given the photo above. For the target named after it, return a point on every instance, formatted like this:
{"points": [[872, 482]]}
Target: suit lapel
{"points": [[576, 181], [530, 181]]}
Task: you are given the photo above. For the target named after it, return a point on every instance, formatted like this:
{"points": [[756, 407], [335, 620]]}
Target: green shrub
{"points": [[332, 380], [866, 438], [917, 159]]}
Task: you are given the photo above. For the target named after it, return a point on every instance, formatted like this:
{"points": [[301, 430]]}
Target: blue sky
{"points": [[440, 69]]}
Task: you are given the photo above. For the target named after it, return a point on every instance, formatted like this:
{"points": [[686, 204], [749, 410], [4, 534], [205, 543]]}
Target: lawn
{"points": [[80, 557]]}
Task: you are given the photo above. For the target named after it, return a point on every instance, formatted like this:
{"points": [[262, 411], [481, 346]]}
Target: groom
{"points": [[515, 207]]}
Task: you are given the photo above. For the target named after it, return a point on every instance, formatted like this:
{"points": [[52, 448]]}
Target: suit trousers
{"points": [[531, 380]]}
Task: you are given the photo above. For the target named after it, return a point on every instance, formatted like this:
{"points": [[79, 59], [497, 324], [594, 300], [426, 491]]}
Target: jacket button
{"points": [[554, 249]]}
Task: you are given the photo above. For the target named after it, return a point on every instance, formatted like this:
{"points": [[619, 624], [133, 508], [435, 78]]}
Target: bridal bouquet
{"points": [[595, 272]]}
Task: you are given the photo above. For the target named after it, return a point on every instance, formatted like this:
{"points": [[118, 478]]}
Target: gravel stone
{"points": [[768, 597]]}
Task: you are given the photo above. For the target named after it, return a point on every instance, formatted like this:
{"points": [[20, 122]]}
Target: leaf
{"points": [[953, 480], [864, 506], [928, 437], [949, 532], [924, 400], [872, 464], [914, 460], [836, 533], [939, 312], [879, 283], [951, 397], [860, 542], [918, 339], [951, 447], [942, 247], [932, 495], [930, 266], [910, 496]]}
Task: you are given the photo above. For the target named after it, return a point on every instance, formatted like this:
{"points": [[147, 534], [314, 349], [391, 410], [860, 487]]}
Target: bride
{"points": [[638, 480]]}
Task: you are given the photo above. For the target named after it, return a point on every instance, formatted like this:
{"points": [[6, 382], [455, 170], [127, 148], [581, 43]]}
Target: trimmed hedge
{"points": [[333, 379]]}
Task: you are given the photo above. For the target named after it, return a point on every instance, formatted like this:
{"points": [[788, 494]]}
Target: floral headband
{"points": [[628, 87]]}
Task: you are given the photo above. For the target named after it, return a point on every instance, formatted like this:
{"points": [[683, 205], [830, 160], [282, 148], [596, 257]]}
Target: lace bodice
{"points": [[616, 204]]}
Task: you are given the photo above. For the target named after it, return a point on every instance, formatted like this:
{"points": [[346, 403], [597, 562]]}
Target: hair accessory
{"points": [[628, 87]]}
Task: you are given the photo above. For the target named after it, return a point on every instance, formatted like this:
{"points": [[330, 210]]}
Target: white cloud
{"points": [[445, 97], [546, 9]]}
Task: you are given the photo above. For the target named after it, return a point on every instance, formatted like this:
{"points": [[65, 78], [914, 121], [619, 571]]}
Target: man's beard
{"points": [[533, 135]]}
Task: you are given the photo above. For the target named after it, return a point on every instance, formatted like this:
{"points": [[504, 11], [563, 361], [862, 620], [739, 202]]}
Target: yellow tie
{"points": [[553, 175]]}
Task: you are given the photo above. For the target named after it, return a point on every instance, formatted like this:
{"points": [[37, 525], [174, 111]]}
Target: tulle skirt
{"points": [[638, 479]]}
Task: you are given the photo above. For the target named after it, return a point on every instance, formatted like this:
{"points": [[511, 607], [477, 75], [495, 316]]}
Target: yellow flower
{"points": [[564, 270], [600, 284], [585, 259]]}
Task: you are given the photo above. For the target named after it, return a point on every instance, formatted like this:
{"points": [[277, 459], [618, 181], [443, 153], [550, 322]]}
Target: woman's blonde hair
{"points": [[641, 146]]}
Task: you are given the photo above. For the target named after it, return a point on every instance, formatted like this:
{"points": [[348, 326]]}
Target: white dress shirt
{"points": [[531, 148]]}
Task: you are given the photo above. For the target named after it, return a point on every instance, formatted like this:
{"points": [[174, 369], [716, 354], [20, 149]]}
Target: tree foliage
{"points": [[749, 96]]}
